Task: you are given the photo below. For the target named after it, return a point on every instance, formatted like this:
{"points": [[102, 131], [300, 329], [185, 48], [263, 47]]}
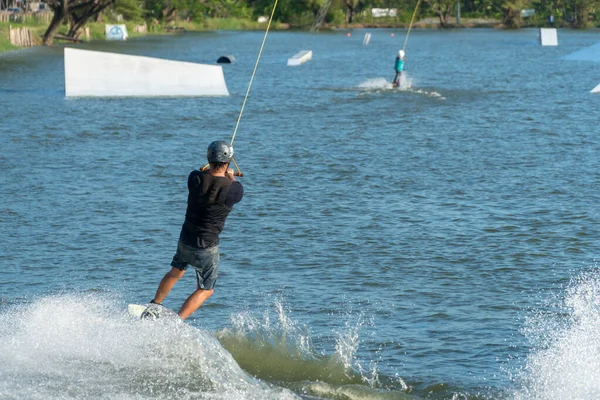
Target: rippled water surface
{"points": [[436, 241]]}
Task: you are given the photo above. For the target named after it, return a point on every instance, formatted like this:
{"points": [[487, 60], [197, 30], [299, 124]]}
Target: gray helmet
{"points": [[219, 151]]}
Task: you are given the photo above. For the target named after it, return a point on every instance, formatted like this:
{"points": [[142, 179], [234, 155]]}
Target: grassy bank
{"points": [[36, 29], [97, 29], [4, 41], [230, 24]]}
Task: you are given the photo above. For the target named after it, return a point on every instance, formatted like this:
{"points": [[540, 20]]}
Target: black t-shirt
{"points": [[210, 199]]}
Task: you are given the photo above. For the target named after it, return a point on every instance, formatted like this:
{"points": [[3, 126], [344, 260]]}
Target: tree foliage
{"points": [[443, 8], [302, 13], [76, 13], [129, 10]]}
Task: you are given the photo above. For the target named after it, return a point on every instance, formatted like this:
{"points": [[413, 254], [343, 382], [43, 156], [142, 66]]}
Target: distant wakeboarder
{"points": [[399, 67]]}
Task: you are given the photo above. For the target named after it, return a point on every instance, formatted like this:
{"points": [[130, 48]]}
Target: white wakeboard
{"points": [[155, 311]]}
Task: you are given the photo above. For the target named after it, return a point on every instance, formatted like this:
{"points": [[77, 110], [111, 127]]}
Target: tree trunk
{"points": [[57, 19], [443, 8], [349, 12], [78, 12], [443, 14], [443, 20], [580, 17], [512, 18], [76, 28], [169, 14], [79, 15]]}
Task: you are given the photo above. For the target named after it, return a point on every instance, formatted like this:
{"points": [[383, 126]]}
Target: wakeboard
{"points": [[151, 311]]}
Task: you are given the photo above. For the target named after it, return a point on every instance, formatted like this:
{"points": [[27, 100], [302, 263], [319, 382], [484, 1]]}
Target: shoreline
{"points": [[97, 29]]}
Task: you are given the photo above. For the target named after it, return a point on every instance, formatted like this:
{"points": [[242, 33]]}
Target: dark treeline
{"points": [[305, 14]]}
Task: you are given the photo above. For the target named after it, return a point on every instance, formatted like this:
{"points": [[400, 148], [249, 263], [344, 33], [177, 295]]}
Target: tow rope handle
{"points": [[235, 173]]}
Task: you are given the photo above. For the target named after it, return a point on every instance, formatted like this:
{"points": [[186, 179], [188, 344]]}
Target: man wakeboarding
{"points": [[211, 196]]}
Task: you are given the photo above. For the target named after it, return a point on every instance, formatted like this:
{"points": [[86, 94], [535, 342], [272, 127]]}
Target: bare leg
{"points": [[166, 284], [194, 302]]}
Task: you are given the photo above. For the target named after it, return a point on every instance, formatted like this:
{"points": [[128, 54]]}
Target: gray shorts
{"points": [[204, 261]]}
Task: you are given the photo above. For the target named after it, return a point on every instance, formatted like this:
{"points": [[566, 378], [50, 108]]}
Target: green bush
{"points": [[336, 16], [302, 20], [129, 9]]}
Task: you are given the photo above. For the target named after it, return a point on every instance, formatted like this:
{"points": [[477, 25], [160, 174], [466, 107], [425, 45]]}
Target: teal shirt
{"points": [[399, 65]]}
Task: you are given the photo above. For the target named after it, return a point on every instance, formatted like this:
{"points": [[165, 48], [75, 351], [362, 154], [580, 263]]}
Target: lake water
{"points": [[437, 242]]}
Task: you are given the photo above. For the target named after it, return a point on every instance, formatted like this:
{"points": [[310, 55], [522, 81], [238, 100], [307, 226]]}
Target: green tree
{"points": [[226, 8], [443, 8], [352, 8], [581, 11], [162, 10], [76, 13], [129, 9], [512, 13], [296, 12]]}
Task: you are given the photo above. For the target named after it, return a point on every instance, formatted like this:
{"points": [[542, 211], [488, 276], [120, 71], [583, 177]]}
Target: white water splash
{"points": [[290, 342], [74, 347], [378, 85], [565, 361], [382, 83], [347, 344], [279, 332]]}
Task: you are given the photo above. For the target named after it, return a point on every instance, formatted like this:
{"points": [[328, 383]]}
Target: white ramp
{"points": [[300, 58], [591, 53], [99, 74], [548, 37], [596, 89]]}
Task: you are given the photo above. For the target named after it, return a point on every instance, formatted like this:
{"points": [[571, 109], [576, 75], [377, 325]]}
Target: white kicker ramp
{"points": [[590, 53], [300, 57], [548, 37], [596, 89], [100, 74]]}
